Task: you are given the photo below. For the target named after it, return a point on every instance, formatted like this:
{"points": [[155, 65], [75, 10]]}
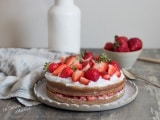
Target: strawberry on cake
{"points": [[84, 79]]}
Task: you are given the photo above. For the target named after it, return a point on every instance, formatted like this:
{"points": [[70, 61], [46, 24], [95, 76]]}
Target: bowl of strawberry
{"points": [[125, 50]]}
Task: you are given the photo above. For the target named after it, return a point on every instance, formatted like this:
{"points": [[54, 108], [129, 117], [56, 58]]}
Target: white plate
{"points": [[131, 91]]}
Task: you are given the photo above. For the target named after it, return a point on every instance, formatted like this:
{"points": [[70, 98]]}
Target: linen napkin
{"points": [[20, 69]]}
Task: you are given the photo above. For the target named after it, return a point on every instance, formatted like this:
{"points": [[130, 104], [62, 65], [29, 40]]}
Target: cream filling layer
{"points": [[99, 83], [90, 98]]}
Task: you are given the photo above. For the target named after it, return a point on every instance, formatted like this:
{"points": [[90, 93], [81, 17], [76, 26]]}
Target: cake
{"points": [[84, 79]]}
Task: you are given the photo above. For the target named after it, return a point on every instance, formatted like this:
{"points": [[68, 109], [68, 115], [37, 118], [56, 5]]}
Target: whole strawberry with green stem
{"points": [[121, 44], [50, 66]]}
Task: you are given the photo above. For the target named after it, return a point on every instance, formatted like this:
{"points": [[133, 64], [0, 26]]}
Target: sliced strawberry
{"points": [[69, 60], [115, 64], [118, 73], [111, 69], [52, 67], [76, 65], [92, 74], [66, 72], [90, 98], [87, 64], [84, 81], [106, 76], [101, 66], [77, 75], [59, 69]]}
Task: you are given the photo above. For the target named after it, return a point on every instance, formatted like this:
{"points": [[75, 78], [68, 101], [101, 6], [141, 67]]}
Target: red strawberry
{"points": [[122, 49], [66, 72], [77, 75], [69, 60], [118, 73], [122, 39], [59, 69], [84, 81], [101, 66], [135, 44], [121, 44], [111, 69], [92, 74], [52, 67], [86, 67], [106, 76], [115, 64], [90, 62], [88, 55], [109, 46]]}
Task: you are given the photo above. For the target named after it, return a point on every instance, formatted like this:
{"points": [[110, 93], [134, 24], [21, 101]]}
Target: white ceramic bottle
{"points": [[64, 27]]}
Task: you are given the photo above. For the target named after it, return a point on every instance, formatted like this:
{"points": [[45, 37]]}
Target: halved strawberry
{"points": [[59, 69], [69, 60], [111, 69], [115, 64], [76, 75], [76, 65], [84, 81], [118, 73], [86, 66], [106, 76], [101, 66], [66, 72], [89, 98]]}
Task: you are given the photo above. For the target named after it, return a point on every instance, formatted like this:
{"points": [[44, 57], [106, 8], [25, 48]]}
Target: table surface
{"points": [[146, 106]]}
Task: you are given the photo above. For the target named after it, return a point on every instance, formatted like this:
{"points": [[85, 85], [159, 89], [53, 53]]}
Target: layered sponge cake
{"points": [[84, 79]]}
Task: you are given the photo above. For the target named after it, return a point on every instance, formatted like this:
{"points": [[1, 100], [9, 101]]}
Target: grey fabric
{"points": [[20, 69]]}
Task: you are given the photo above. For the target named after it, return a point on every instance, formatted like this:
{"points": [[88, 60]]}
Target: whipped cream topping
{"points": [[99, 83]]}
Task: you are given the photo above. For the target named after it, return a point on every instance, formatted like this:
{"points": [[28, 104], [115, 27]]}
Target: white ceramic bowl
{"points": [[125, 59]]}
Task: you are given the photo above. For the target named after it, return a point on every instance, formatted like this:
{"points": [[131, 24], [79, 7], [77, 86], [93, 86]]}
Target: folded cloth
{"points": [[20, 69]]}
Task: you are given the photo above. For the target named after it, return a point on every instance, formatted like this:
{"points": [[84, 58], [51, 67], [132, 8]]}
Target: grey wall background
{"points": [[23, 23]]}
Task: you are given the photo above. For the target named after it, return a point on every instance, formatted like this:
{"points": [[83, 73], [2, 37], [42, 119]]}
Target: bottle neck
{"points": [[64, 2]]}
